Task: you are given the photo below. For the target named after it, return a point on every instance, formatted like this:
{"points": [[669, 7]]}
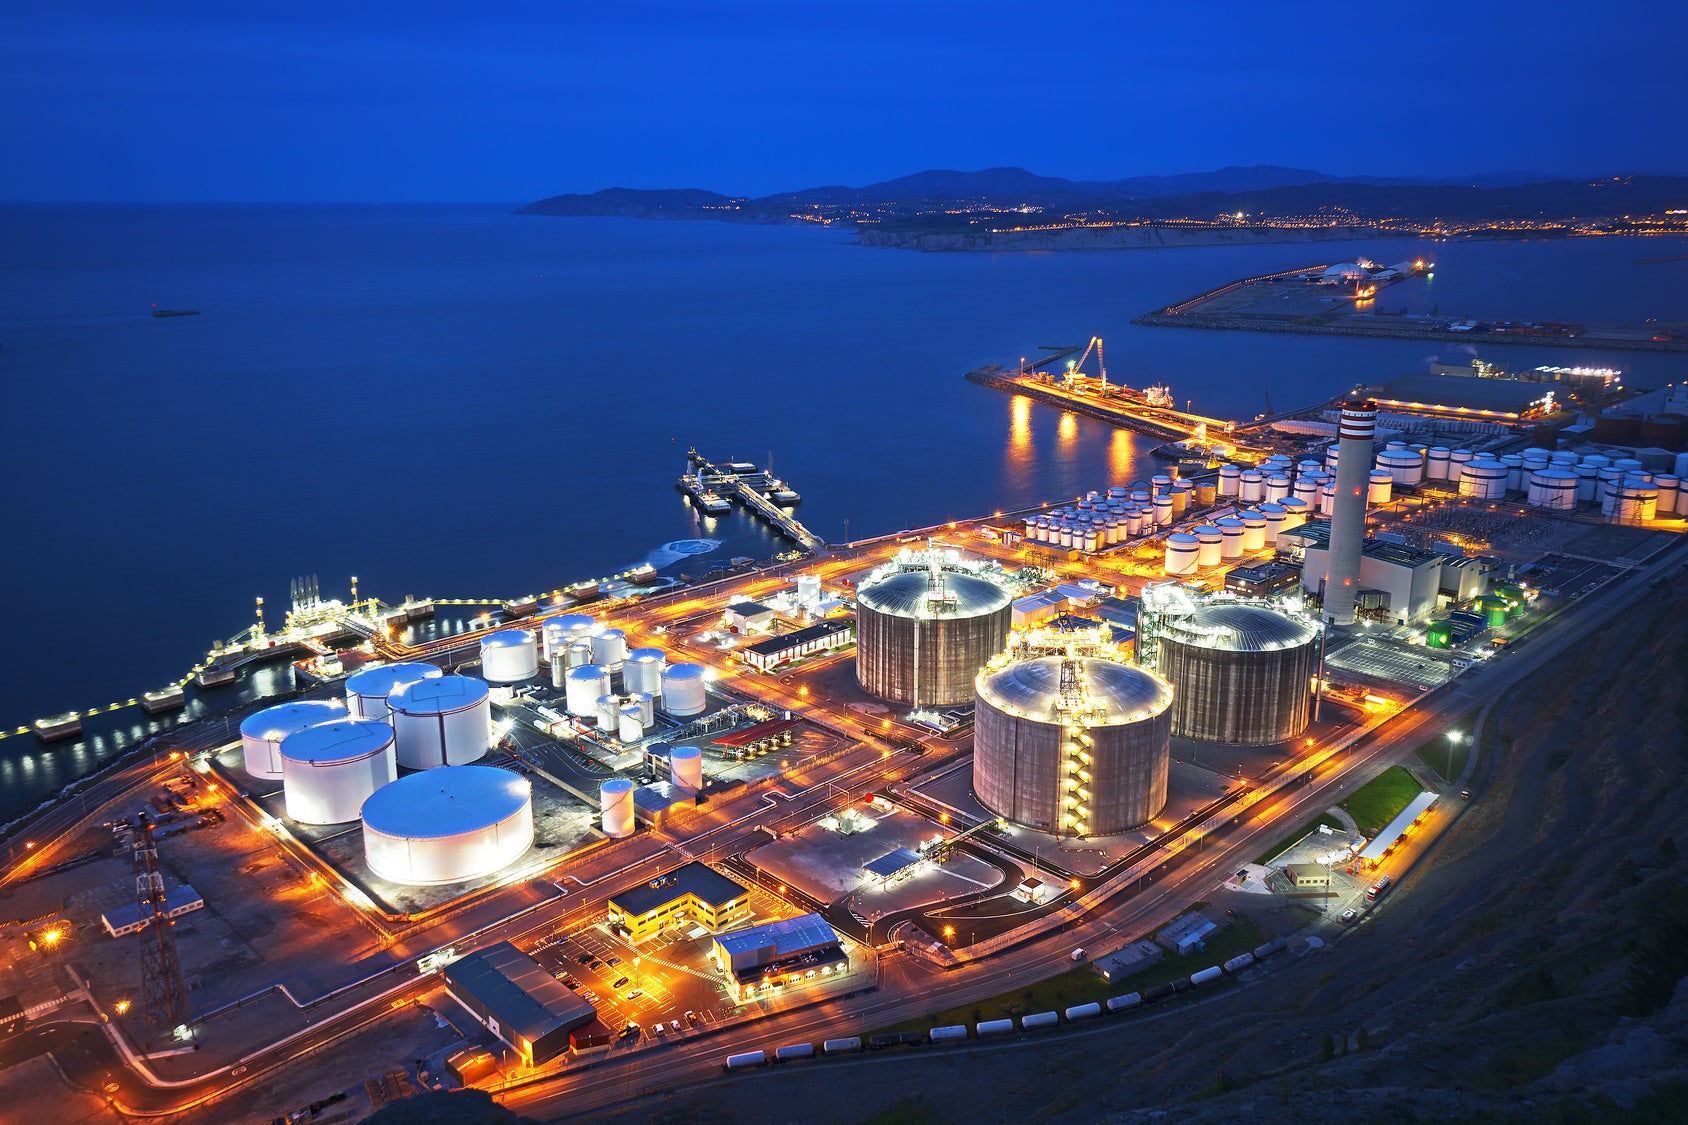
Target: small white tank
{"points": [[1562, 457], [615, 802], [1436, 463], [578, 653], [1278, 486], [682, 689], [608, 712], [1208, 545], [1670, 493], [1160, 484], [1231, 532], [647, 707], [1296, 513], [1483, 479], [1379, 487], [1253, 486], [643, 670], [1327, 499], [585, 684], [630, 728], [1404, 465], [609, 649], [367, 691], [1163, 511], [559, 670], [1515, 480], [509, 656], [686, 767], [1307, 487], [1273, 514], [1230, 477], [1181, 553], [1254, 530]]}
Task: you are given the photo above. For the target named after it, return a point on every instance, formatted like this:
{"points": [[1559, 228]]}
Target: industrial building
{"points": [[512, 997], [126, 919], [1450, 396], [819, 637], [775, 953], [1240, 674], [1307, 876], [448, 825], [1404, 579], [925, 625], [1069, 737], [1263, 580], [695, 892], [749, 617]]}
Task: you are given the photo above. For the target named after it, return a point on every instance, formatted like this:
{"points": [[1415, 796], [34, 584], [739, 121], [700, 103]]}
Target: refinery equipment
{"points": [[367, 691], [586, 684], [925, 624], [682, 689], [1069, 737], [262, 731], [442, 722], [609, 649], [330, 769], [686, 767], [447, 825], [1348, 513], [509, 656], [1240, 673], [569, 628]]}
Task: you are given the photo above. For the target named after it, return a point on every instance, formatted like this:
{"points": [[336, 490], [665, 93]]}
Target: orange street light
{"points": [[121, 1006]]}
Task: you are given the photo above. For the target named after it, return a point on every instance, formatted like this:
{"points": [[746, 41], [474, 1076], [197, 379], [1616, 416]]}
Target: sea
{"points": [[463, 402]]}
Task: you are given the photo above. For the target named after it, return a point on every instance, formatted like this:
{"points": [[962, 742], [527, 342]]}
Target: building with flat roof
{"points": [[126, 919], [749, 617], [1185, 932], [525, 1006], [1407, 578], [1308, 876], [787, 952], [1450, 396], [1397, 828], [1263, 579], [823, 635], [695, 892]]}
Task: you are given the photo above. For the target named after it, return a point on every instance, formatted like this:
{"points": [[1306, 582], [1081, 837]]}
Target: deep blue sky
{"points": [[373, 100]]}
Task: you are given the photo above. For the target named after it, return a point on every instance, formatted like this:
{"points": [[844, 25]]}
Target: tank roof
{"points": [[338, 740], [507, 638], [285, 718], [906, 594], [1240, 628], [1123, 693], [444, 693], [382, 680], [444, 802], [683, 671]]}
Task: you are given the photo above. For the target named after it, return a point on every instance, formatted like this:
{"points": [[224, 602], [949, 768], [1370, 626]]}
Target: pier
{"points": [[1114, 403], [709, 483]]}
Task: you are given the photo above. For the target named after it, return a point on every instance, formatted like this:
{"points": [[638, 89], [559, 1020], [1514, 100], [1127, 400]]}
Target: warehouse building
{"points": [[749, 617], [787, 952], [695, 892], [1263, 580], [508, 993], [819, 637]]}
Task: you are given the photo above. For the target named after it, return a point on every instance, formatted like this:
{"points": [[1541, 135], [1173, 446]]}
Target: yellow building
{"points": [[693, 893]]}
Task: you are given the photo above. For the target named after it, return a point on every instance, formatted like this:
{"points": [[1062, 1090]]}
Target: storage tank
{"points": [[1554, 489], [1254, 530], [1327, 499], [448, 825], [367, 691], [509, 656], [609, 649], [1160, 484], [1404, 465], [682, 689], [585, 685], [1278, 486], [615, 803], [1181, 553], [1231, 538], [1240, 674], [262, 731], [1457, 461], [1206, 493], [647, 706], [1637, 501], [1035, 736], [607, 712], [1379, 487], [1483, 479], [577, 654], [1163, 511], [643, 670], [1514, 462], [330, 769], [1182, 491], [443, 722], [630, 727], [1436, 463], [922, 634], [1563, 457], [1230, 479], [1253, 486], [686, 767], [1670, 492], [1307, 487], [1296, 513], [560, 632], [1274, 516], [559, 670]]}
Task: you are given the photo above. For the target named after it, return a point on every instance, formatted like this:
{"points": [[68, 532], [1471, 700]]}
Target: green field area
{"points": [[1296, 837], [1081, 984], [1446, 758], [1380, 801]]}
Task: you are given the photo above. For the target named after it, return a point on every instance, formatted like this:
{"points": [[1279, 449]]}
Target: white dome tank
{"points": [[1278, 486], [559, 670], [1436, 463], [1273, 514], [1230, 477], [1160, 484], [1182, 551], [1253, 487], [1307, 487], [682, 689], [1163, 511], [629, 726], [1485, 480], [448, 825], [1595, 461], [1231, 538], [609, 649], [330, 769], [647, 707], [1208, 544], [1457, 460], [1637, 500], [643, 670], [586, 683], [608, 713], [615, 804], [509, 656], [686, 764], [1554, 489], [560, 632], [1327, 499], [1254, 529], [1562, 457], [1296, 512], [1670, 493], [1514, 463], [1404, 465], [1379, 487], [443, 722], [262, 731], [578, 653], [367, 691]]}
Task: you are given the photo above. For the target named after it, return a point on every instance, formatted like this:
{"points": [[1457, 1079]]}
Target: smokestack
{"points": [[1348, 517]]}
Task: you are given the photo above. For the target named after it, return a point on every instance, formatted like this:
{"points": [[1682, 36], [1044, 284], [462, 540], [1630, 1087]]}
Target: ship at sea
{"points": [[157, 312]]}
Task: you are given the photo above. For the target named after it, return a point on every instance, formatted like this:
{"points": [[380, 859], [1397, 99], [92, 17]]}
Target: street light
{"points": [[1454, 739], [121, 1006]]}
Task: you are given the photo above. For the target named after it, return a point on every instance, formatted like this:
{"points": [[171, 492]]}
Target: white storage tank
{"points": [[578, 653], [1273, 514], [609, 649], [607, 713], [1307, 487], [643, 670], [1253, 486], [585, 685], [682, 689], [1515, 480], [509, 656], [1231, 541], [1181, 553], [1163, 511], [1208, 544], [1378, 487], [442, 722], [686, 764], [1278, 486], [1160, 484], [1484, 480], [1457, 461], [448, 825], [1254, 530], [1327, 499], [262, 731], [1562, 457], [560, 632], [559, 670], [1230, 478], [1637, 500], [1670, 493], [1436, 462], [330, 769], [1554, 489], [629, 727], [367, 691], [1296, 513], [647, 706], [615, 804], [1404, 465]]}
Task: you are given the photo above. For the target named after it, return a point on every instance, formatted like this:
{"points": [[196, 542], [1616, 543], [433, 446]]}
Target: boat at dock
{"points": [[55, 728], [781, 493], [164, 699], [216, 675]]}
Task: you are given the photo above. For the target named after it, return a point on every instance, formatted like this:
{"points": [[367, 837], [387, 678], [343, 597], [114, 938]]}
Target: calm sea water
{"points": [[460, 402]]}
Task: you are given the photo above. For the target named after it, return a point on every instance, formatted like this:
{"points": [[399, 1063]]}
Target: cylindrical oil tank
{"points": [[585, 684], [1436, 462], [1278, 486], [560, 632], [643, 670], [367, 691], [1163, 510], [1379, 487], [682, 689], [1206, 493], [509, 656], [1638, 500], [262, 731], [1088, 762], [615, 804], [1231, 537], [629, 727], [1588, 481], [1296, 512], [443, 722], [1253, 486], [1240, 674], [1160, 484], [329, 770], [609, 649], [1332, 452], [1595, 460], [607, 712], [1209, 544], [578, 653], [1404, 465], [1457, 460], [647, 706], [921, 642], [1181, 493], [1230, 479], [1327, 499], [1554, 489], [448, 825], [1563, 457], [1254, 530], [1484, 479], [686, 764], [559, 670], [1514, 463], [1181, 553], [1307, 487], [1274, 515], [1670, 493], [1627, 466]]}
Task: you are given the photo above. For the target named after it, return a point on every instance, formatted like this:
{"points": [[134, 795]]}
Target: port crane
{"points": [[1078, 367]]}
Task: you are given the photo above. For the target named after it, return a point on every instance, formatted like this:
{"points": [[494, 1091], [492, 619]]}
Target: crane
{"points": [[1076, 368]]}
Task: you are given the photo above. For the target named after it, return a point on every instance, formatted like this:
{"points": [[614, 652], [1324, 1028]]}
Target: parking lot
{"points": [[665, 983]]}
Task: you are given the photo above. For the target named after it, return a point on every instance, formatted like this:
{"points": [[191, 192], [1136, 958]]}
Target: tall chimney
{"points": [[1348, 516]]}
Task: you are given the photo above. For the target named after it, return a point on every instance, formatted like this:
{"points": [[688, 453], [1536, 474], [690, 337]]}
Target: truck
{"points": [[1077, 954], [1378, 889]]}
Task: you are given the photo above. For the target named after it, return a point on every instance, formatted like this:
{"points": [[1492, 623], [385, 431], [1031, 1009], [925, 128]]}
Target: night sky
{"points": [[378, 101]]}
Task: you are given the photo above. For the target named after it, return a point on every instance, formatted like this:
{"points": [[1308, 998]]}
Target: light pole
{"points": [[1454, 739]]}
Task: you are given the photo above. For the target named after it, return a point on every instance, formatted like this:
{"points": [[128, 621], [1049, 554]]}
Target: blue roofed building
{"points": [[788, 952]]}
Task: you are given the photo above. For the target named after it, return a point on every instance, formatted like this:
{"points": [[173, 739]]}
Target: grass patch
{"points": [[1381, 800], [1081, 985], [1295, 837], [1443, 758]]}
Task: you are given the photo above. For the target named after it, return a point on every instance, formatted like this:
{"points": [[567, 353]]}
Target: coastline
{"points": [[1121, 237]]}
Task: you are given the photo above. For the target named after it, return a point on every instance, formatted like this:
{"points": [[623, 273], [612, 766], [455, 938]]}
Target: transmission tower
{"points": [[164, 995]]}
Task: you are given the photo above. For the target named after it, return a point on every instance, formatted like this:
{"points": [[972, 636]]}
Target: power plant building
{"points": [[1402, 581], [925, 625]]}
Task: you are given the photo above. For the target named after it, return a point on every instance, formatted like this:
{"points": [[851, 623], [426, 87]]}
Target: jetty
{"points": [[716, 486]]}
